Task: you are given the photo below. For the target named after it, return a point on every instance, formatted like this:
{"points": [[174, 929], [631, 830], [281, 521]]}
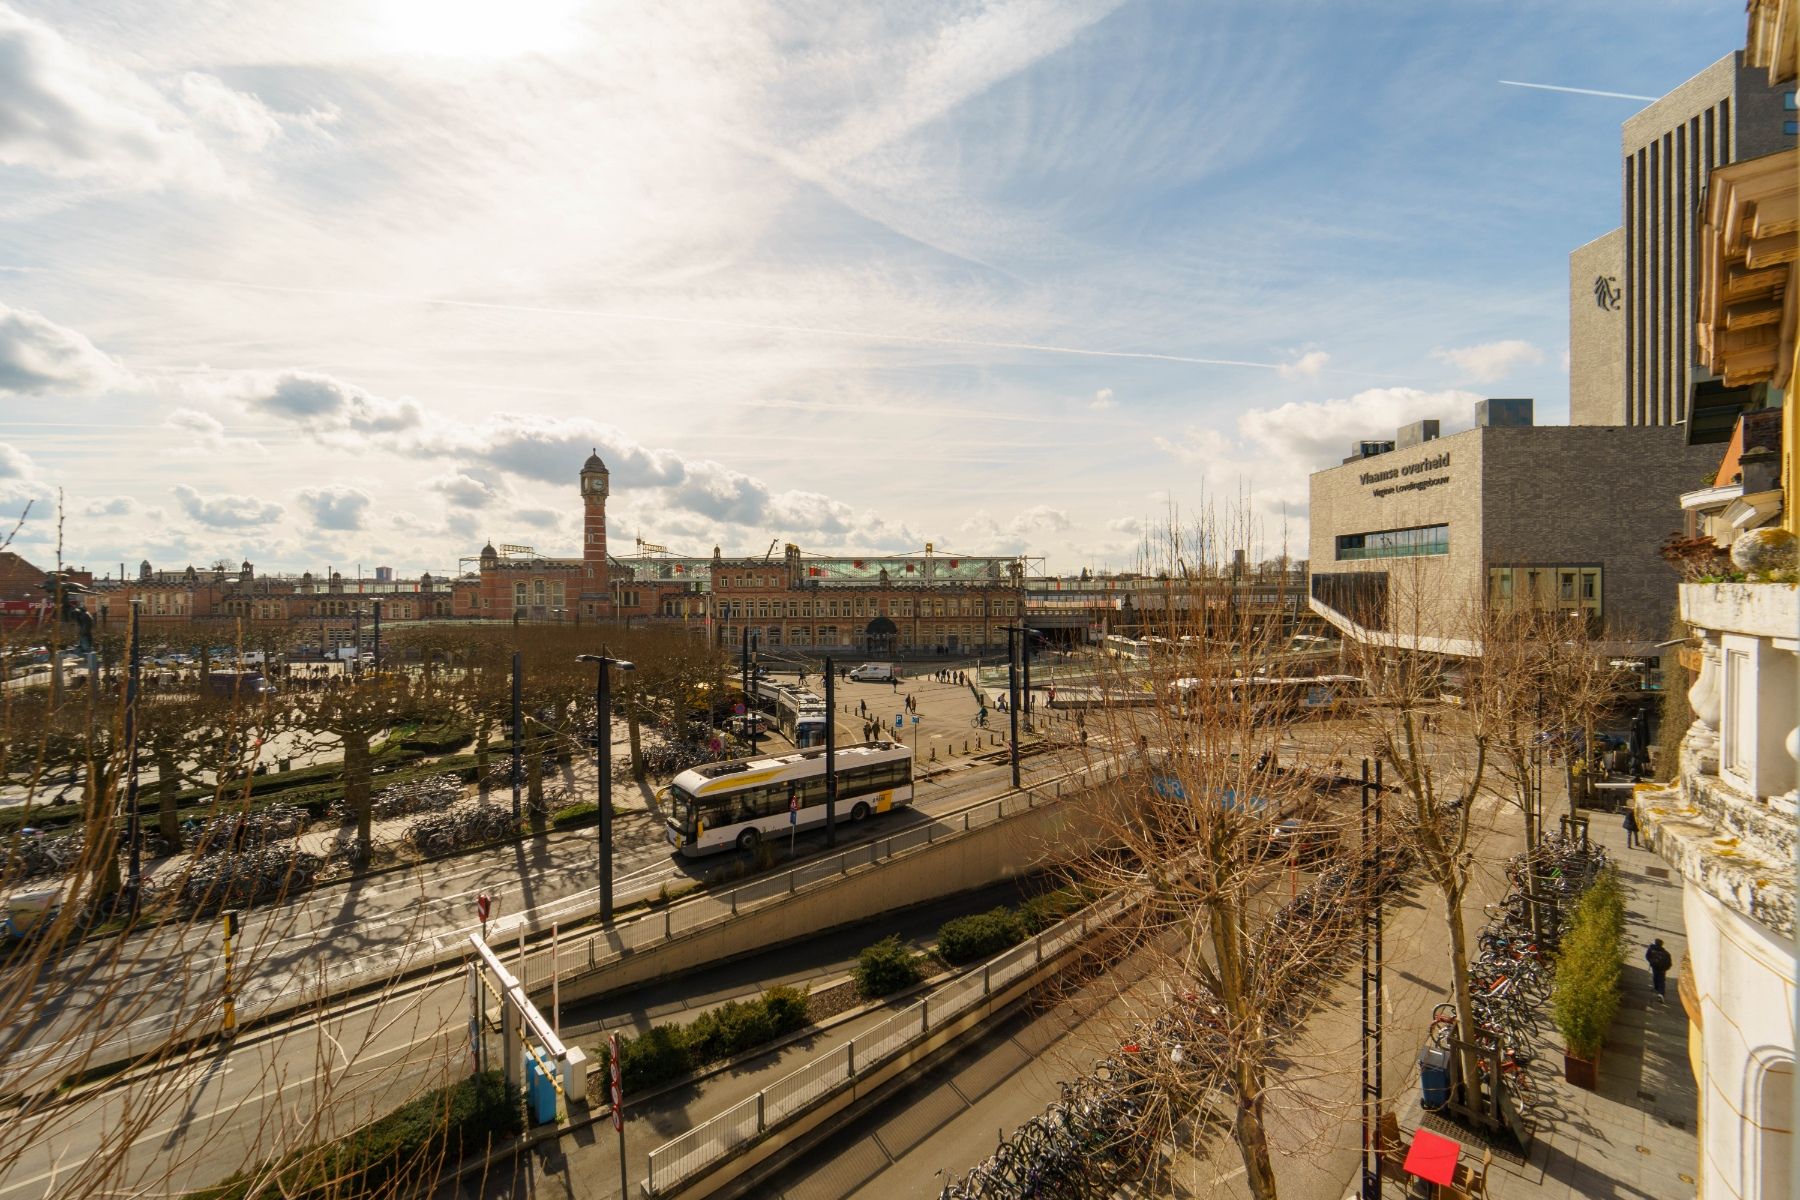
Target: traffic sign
{"points": [[483, 906], [899, 720], [915, 719], [618, 1086]]}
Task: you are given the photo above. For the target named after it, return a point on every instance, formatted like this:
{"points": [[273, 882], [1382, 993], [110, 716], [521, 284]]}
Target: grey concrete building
{"points": [[1597, 331], [1408, 545], [1725, 114]]}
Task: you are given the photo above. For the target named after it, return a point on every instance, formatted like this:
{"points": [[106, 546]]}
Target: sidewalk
{"points": [[1635, 1136]]}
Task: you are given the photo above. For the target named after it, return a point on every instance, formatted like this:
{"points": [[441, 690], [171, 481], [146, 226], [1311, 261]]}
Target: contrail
{"points": [[1551, 87], [720, 323]]}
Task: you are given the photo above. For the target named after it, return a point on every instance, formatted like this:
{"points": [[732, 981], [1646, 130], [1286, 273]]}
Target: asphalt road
{"points": [[335, 1066]]}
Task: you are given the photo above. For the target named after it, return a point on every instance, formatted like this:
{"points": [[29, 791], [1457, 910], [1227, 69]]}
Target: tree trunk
{"points": [[102, 834], [1459, 982], [357, 796], [534, 783], [1252, 1135], [168, 783], [638, 769], [483, 726]]}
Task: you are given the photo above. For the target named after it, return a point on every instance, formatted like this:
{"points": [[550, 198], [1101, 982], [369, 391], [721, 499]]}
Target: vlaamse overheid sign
{"points": [[1437, 462]]}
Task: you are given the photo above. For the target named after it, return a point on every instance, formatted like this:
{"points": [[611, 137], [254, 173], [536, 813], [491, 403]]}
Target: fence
{"points": [[676, 1162], [579, 956]]}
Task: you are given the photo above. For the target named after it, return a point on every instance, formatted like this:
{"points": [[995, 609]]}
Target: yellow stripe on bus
{"points": [[737, 781]]}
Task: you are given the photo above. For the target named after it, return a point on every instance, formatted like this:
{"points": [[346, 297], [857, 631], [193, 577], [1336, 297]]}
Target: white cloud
{"points": [[209, 436], [1319, 434], [1489, 361], [466, 489], [327, 408], [337, 508], [1308, 364], [1103, 400], [116, 506], [240, 115], [15, 464], [225, 511], [71, 115], [38, 355]]}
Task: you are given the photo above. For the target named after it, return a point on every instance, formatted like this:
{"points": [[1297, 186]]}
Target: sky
{"points": [[321, 285]]}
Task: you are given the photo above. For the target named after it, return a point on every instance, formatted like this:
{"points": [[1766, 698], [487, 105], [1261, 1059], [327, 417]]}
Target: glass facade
{"points": [[1394, 543]]}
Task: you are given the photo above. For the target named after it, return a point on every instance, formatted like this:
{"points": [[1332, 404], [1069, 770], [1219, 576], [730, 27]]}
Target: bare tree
{"points": [[1206, 835]]}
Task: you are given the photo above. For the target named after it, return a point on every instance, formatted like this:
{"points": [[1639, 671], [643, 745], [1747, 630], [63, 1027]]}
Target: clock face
{"points": [[596, 485]]}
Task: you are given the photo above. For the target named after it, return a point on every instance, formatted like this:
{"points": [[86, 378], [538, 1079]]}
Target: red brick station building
{"points": [[897, 604]]}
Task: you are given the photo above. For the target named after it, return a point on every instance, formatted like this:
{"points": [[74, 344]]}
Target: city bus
{"points": [[1118, 646], [1271, 698], [801, 716], [740, 802]]}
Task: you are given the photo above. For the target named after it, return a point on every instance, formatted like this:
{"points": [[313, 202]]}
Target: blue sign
{"points": [[898, 721], [915, 718]]}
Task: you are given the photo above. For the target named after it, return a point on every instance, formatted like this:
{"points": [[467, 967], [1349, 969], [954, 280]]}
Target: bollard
{"points": [[933, 757], [790, 883], [734, 893], [965, 821], [668, 924]]}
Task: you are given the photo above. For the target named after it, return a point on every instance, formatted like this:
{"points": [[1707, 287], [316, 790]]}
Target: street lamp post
{"points": [[356, 638], [749, 692], [377, 605], [1012, 698], [603, 763], [133, 828], [830, 757]]}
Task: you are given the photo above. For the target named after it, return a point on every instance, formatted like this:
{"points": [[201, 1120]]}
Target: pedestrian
{"points": [[1631, 828], [896, 682], [1660, 962]]}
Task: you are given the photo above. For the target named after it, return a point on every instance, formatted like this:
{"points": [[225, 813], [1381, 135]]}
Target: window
{"points": [[1394, 543], [1552, 588], [519, 594], [537, 591]]}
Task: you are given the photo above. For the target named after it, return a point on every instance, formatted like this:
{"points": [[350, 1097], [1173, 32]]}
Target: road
{"points": [[296, 1084]]}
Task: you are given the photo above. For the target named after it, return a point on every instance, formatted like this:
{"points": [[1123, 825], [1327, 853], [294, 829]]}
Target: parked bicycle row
{"points": [[1089, 1142], [1513, 967]]}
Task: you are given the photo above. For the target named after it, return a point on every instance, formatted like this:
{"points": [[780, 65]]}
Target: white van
{"points": [[875, 673]]}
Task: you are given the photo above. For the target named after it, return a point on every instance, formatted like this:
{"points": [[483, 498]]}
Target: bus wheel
{"points": [[860, 812], [747, 840]]}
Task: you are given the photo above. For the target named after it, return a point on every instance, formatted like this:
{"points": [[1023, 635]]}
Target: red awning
{"points": [[1432, 1157]]}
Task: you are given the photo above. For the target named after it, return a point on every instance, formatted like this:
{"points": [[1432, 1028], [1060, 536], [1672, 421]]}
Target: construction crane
{"points": [[769, 556]]}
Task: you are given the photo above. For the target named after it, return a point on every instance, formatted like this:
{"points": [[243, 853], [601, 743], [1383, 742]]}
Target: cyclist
{"points": [[981, 717]]}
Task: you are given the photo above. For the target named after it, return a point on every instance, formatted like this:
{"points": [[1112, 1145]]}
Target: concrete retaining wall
{"points": [[984, 855]]}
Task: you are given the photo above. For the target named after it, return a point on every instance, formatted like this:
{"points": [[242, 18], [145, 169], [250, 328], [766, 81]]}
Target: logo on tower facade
{"points": [[1607, 293]]}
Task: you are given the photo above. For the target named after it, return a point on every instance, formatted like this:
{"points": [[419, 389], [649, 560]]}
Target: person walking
{"points": [[1631, 828], [1660, 962]]}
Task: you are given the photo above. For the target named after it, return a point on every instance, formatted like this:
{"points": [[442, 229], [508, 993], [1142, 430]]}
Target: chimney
{"points": [[1509, 413], [1415, 434]]}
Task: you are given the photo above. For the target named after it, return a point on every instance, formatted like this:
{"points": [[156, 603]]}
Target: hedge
{"points": [[886, 967], [664, 1053], [966, 939], [1585, 995], [980, 935], [406, 1147]]}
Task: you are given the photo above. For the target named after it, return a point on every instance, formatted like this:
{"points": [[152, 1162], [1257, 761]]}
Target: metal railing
{"points": [[675, 1162], [580, 955]]}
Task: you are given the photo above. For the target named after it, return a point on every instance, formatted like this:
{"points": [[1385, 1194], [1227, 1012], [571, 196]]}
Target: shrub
{"points": [[576, 815], [383, 1156], [1585, 996], [652, 1058], [965, 939], [1042, 911], [666, 1052], [886, 967]]}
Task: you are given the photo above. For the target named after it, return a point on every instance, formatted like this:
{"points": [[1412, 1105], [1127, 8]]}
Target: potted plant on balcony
{"points": [[1585, 996]]}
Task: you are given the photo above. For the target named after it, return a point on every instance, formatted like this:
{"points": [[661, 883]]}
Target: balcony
{"points": [[1728, 823]]}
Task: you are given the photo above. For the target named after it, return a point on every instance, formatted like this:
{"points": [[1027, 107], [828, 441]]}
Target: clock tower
{"points": [[594, 482]]}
